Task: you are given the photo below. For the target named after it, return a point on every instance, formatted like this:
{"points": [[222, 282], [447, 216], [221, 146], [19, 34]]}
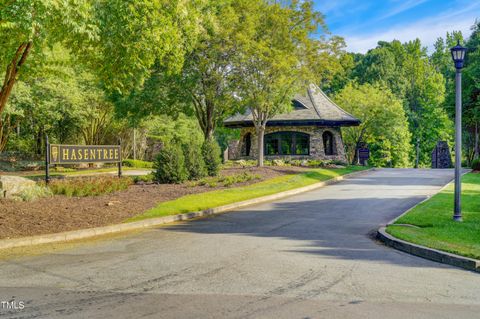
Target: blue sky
{"points": [[364, 22]]}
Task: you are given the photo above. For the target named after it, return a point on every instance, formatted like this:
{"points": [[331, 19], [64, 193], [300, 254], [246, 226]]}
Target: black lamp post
{"points": [[458, 56]]}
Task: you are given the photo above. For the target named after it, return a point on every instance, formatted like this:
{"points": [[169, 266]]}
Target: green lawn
{"points": [[197, 202], [436, 229]]}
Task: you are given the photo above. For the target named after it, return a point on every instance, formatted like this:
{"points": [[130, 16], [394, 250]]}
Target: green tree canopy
{"points": [[409, 73], [272, 62], [384, 126]]}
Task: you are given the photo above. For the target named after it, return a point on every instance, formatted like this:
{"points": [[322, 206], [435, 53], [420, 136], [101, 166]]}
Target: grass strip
{"points": [[198, 202], [436, 228]]}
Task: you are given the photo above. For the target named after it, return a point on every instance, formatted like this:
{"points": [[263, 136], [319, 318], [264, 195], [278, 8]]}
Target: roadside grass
{"points": [[435, 226], [198, 202]]}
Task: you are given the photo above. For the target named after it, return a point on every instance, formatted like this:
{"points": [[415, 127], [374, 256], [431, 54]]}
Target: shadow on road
{"points": [[330, 228]]}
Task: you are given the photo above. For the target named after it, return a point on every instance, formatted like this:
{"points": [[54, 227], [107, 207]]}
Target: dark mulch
{"points": [[61, 213]]}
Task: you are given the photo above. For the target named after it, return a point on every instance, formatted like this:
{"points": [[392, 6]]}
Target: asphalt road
{"points": [[308, 256]]}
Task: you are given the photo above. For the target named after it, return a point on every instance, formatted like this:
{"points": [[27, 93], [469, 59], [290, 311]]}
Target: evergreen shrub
{"points": [[170, 165], [194, 162], [211, 155]]}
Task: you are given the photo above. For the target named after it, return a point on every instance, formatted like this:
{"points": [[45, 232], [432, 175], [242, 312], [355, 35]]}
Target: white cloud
{"points": [[427, 30], [404, 6]]}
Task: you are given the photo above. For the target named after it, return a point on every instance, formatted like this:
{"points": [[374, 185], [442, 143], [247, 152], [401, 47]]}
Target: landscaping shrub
{"points": [[32, 193], [89, 186], [137, 163], [278, 162], [476, 164], [170, 165], [149, 178], [211, 156], [194, 162]]}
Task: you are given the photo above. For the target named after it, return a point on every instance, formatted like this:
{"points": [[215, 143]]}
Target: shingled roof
{"points": [[314, 108]]}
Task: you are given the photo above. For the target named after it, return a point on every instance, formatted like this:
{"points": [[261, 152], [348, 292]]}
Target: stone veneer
{"points": [[237, 150]]}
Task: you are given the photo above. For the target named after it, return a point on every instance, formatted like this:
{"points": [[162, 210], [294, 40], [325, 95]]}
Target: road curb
{"points": [[422, 251], [428, 253], [98, 231]]}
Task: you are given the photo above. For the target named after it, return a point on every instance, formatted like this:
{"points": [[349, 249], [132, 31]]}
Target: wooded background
{"points": [[94, 71]]}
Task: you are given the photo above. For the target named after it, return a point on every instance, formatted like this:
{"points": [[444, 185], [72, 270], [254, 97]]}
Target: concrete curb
{"points": [[91, 232], [428, 253], [422, 251]]}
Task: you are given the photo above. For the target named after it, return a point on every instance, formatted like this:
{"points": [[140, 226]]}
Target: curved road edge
{"points": [[152, 222], [428, 253]]}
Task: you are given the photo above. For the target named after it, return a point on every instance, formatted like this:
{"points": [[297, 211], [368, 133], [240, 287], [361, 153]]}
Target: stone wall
{"points": [[316, 143]]}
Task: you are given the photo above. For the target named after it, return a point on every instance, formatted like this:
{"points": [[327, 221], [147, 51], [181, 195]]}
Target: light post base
{"points": [[457, 218]]}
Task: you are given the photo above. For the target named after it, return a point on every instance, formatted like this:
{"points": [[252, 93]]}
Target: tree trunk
{"points": [[134, 143], [39, 143], [476, 146], [208, 133], [417, 157], [4, 130], [12, 72], [260, 136]]}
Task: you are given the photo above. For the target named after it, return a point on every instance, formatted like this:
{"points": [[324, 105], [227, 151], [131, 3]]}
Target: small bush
{"points": [[137, 163], [296, 162], [89, 186], [170, 165], [35, 192], [278, 162], [194, 162], [211, 156], [476, 164], [144, 178]]}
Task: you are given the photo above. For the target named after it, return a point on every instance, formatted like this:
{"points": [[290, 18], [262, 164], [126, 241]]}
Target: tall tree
{"points": [[409, 73], [471, 95], [384, 124], [132, 35], [272, 61], [120, 40], [27, 26], [203, 86]]}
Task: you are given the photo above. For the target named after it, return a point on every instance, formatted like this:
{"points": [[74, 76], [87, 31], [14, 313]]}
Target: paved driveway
{"points": [[308, 256]]}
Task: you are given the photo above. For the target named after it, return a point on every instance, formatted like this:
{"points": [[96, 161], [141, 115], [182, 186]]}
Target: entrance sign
{"points": [[75, 154], [71, 154], [363, 155]]}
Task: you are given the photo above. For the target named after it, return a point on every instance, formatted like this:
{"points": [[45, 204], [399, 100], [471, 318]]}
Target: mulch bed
{"points": [[62, 213]]}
